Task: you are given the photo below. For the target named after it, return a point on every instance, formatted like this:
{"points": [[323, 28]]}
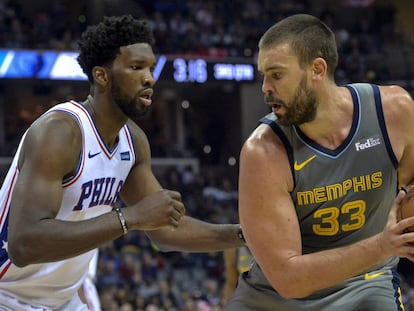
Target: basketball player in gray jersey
{"points": [[319, 180]]}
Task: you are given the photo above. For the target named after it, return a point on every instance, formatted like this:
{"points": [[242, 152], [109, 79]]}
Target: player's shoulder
{"points": [[54, 137], [136, 131], [140, 139], [397, 104], [55, 123], [395, 95], [263, 143]]}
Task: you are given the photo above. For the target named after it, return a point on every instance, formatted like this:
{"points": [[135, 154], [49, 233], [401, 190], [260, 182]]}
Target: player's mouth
{"points": [[276, 107], [145, 97], [274, 104]]}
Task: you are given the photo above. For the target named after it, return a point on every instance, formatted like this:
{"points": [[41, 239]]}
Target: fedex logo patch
{"points": [[367, 143]]}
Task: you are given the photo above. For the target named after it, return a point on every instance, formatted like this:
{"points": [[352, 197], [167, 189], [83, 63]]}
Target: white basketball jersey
{"points": [[90, 192]]}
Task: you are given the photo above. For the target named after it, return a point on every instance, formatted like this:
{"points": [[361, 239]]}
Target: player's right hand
{"points": [[160, 209], [395, 240]]}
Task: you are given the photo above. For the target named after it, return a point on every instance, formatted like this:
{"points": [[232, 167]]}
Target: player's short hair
{"points": [[100, 44], [308, 37]]}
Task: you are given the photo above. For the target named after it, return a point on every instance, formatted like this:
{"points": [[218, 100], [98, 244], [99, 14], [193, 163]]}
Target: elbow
{"points": [[290, 280], [293, 289], [18, 256], [17, 261], [164, 248], [159, 244], [20, 252]]}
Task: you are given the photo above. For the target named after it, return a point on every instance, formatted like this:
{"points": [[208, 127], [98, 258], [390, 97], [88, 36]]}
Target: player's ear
{"points": [[100, 75], [319, 68]]}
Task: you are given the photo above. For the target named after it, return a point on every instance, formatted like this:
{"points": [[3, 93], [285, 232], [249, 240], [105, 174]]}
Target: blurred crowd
{"points": [[132, 274]]}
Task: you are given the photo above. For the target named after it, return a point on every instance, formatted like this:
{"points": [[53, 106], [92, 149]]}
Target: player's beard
{"points": [[301, 108], [127, 104]]}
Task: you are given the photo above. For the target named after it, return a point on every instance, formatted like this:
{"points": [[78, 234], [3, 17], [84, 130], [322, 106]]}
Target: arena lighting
{"points": [[232, 161], [54, 65]]}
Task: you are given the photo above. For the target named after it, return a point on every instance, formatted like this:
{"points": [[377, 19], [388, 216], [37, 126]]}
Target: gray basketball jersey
{"points": [[341, 196]]}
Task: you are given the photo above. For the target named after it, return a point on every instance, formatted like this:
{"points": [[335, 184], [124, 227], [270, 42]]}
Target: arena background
{"points": [[207, 100]]}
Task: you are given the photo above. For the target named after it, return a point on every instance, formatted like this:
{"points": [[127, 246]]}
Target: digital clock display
{"points": [[200, 71]]}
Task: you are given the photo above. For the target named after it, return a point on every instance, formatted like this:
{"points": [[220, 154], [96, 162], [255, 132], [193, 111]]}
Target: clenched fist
{"points": [[160, 209]]}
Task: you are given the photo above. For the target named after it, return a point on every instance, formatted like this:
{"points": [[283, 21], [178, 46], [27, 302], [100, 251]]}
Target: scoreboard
{"points": [[54, 65]]}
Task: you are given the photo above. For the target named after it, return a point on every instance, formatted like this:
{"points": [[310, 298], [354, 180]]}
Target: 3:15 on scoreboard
{"points": [[200, 70]]}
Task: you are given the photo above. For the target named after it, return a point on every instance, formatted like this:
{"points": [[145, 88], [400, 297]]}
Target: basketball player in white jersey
{"points": [[88, 291], [56, 203]]}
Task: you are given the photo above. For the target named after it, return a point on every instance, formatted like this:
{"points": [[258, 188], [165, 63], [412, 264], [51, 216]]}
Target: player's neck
{"points": [[90, 106], [105, 123], [333, 119]]}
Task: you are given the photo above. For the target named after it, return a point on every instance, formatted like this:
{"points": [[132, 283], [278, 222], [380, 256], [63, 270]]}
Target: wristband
{"points": [[121, 219], [240, 235]]}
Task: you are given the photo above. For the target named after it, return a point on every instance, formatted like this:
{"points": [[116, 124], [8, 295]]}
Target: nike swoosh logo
{"points": [[91, 155], [300, 166], [373, 275]]}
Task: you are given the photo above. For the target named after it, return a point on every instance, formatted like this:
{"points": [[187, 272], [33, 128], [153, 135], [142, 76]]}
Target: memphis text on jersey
{"points": [[351, 216], [338, 190]]}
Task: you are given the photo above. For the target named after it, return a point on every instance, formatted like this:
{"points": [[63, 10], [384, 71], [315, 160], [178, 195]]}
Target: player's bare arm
{"points": [[185, 233], [51, 152], [399, 117], [149, 206], [265, 184]]}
